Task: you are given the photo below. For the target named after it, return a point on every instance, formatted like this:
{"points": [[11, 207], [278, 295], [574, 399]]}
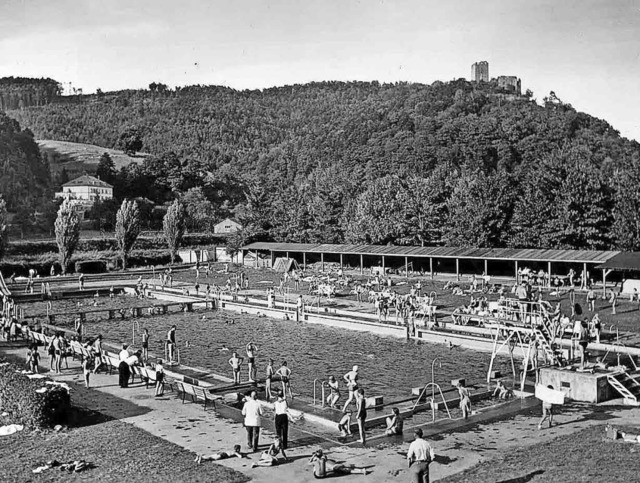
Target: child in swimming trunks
{"points": [[220, 456], [270, 457], [394, 423], [87, 364], [334, 396], [344, 426]]}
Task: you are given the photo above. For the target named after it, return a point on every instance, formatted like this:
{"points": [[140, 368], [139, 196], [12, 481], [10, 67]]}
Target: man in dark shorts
{"points": [[171, 342]]}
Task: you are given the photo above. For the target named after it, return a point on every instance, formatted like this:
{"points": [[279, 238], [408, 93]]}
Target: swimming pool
{"points": [[389, 366]]}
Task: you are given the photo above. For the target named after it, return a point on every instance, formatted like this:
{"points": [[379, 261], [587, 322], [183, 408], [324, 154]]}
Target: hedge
{"points": [[19, 248], [42, 265], [25, 406]]}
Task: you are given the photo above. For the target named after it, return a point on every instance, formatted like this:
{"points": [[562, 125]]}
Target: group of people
{"points": [[419, 455], [283, 374]]}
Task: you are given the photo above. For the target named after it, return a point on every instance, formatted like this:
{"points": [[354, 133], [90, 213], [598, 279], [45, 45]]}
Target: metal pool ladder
{"points": [[323, 385], [176, 353], [433, 403]]}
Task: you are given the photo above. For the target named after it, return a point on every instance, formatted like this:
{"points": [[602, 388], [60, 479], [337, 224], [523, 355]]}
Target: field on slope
{"points": [[77, 157]]}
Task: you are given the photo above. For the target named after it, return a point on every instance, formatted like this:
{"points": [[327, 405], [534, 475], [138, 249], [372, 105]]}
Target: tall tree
{"points": [[67, 228], [479, 210], [377, 214], [127, 228], [3, 226], [200, 210], [173, 226], [626, 226], [106, 170], [130, 140]]}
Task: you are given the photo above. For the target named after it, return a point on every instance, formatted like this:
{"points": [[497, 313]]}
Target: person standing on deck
{"points": [[97, 350], [269, 373], [591, 300], [171, 342], [361, 414], [285, 376], [351, 379], [235, 362], [465, 399], [419, 456], [281, 410], [252, 412], [334, 395], [252, 351], [145, 344]]}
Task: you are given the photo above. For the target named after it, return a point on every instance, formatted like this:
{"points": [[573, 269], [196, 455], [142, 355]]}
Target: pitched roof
{"points": [[86, 180], [571, 256], [227, 220], [625, 261]]}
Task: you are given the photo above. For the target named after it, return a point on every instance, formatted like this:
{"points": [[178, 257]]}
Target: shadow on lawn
{"points": [[95, 407], [523, 479]]}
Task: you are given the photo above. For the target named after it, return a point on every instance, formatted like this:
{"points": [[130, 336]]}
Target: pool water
{"points": [[388, 366]]}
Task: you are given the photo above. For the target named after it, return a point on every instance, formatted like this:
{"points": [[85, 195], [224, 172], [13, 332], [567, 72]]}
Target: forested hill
{"points": [[453, 163], [20, 92], [24, 176]]}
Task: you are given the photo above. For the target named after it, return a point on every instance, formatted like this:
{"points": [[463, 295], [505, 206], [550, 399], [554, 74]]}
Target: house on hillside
{"points": [[85, 191], [227, 226]]}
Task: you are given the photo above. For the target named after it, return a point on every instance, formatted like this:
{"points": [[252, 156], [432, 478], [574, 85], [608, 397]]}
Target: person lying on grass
{"points": [[223, 455]]}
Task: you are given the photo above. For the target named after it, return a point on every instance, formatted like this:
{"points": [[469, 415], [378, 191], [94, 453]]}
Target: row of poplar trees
{"points": [[127, 229]]}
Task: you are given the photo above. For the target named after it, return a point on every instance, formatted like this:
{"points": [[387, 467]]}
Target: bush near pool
{"points": [[19, 397]]}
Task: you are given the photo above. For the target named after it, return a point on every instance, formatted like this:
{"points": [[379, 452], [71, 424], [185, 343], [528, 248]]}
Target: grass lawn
{"points": [[117, 451], [582, 456]]}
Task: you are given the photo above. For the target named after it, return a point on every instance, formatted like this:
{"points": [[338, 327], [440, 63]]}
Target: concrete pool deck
{"points": [[189, 426]]}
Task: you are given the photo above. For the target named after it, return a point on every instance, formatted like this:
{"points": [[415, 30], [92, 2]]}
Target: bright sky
{"points": [[587, 51]]}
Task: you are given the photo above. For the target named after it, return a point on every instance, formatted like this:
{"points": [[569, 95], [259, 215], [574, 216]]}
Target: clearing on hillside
{"points": [[77, 157]]}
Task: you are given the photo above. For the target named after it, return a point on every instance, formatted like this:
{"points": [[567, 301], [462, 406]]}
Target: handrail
{"points": [[433, 406], [315, 381], [324, 396], [135, 324], [176, 350]]}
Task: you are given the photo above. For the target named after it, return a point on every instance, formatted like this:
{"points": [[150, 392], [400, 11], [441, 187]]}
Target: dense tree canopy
{"points": [[21, 92], [458, 163], [24, 176]]}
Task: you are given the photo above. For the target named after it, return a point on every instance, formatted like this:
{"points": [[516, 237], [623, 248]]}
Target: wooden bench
{"points": [[148, 375], [111, 362], [196, 393]]}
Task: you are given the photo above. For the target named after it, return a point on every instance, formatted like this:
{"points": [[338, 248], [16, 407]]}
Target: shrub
{"points": [[18, 398]]}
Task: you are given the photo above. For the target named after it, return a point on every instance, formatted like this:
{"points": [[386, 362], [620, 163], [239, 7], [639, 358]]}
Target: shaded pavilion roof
{"points": [[623, 261], [509, 254]]}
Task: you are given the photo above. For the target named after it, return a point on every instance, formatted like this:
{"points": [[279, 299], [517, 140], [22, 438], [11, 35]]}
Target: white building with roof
{"points": [[227, 226], [84, 191]]}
